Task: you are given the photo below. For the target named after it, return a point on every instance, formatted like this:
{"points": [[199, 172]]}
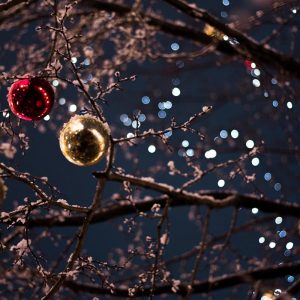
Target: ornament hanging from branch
{"points": [[84, 140], [213, 32], [31, 99], [269, 295]]}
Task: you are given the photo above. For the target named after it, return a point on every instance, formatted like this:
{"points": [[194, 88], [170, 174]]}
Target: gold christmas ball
{"points": [[269, 295], [213, 32], [84, 140]]}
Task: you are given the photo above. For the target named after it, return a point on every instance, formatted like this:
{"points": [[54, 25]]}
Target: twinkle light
{"points": [[221, 183], [272, 245], [277, 186], [289, 245], [168, 133], [123, 118], [55, 82], [278, 220], [87, 62], [176, 91], [151, 149], [275, 103], [223, 134], [289, 105], [175, 46], [282, 233], [254, 210], [256, 72], [261, 240], [5, 114], [267, 176], [135, 124], [190, 152], [249, 144], [185, 143], [161, 105], [274, 81], [162, 114], [255, 161], [145, 100], [168, 105], [234, 134], [142, 118], [62, 101], [127, 122], [256, 82], [277, 292], [181, 152], [74, 60], [210, 154], [72, 108], [130, 135]]}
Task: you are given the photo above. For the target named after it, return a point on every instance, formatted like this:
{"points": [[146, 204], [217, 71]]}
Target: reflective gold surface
{"points": [[269, 295], [84, 140], [213, 32]]}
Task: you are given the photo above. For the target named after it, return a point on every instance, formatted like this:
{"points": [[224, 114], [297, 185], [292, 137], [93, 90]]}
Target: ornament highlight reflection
{"points": [[84, 140]]}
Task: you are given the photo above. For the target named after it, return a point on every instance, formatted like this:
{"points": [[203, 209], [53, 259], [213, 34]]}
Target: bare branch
{"points": [[247, 48], [224, 281]]}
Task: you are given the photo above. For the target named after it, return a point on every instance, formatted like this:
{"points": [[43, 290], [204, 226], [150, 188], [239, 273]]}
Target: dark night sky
{"points": [[239, 106]]}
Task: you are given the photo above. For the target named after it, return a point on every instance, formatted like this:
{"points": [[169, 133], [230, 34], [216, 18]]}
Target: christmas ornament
{"points": [[269, 295], [31, 99], [84, 140], [213, 32]]}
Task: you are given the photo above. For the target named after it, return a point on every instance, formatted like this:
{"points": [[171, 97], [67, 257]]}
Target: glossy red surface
{"points": [[31, 99]]}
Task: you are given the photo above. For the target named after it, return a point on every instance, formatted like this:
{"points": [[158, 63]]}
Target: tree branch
{"points": [[81, 237], [169, 27], [221, 282], [11, 3], [211, 199], [248, 48]]}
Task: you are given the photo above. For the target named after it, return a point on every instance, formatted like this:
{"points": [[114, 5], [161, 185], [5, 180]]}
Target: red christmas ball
{"points": [[31, 99]]}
